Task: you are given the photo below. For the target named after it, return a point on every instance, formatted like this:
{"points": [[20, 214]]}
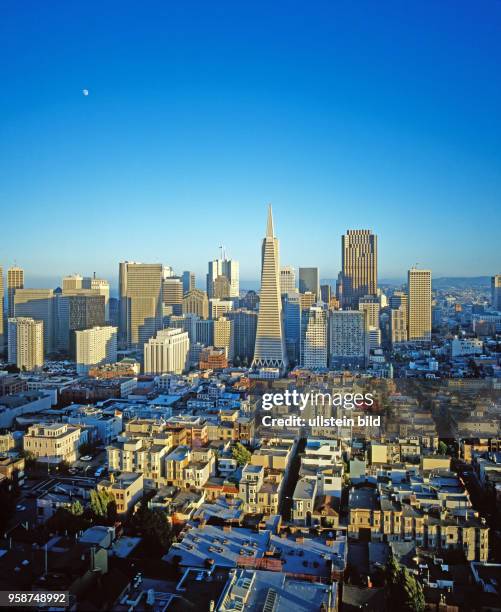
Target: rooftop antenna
{"points": [[223, 252]]}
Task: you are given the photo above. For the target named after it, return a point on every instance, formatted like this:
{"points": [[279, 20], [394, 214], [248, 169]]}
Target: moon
{"points": [[85, 92]]}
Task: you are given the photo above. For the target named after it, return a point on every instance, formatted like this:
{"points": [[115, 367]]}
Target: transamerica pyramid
{"points": [[269, 351]]}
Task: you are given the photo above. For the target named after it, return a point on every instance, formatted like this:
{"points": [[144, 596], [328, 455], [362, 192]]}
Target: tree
{"points": [[153, 525], [69, 519], [241, 454], [103, 505], [442, 448], [403, 591]]}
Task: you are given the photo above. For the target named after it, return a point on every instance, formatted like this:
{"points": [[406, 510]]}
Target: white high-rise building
{"points": [[348, 345], [37, 304], [419, 305], [167, 352], [314, 338], [95, 346], [26, 343], [270, 349], [287, 279], [229, 268]]}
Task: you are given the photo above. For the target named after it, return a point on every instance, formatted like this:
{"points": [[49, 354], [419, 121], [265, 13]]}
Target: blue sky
{"points": [[381, 115]]}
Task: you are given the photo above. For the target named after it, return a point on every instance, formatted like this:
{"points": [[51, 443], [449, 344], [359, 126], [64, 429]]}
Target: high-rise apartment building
{"points": [[26, 343], [287, 279], [419, 305], [167, 352], [37, 304], [95, 346], [496, 292], [224, 267], [188, 281], [140, 287], [359, 261], [314, 338], [196, 302], [270, 342], [309, 281], [15, 280], [348, 345]]}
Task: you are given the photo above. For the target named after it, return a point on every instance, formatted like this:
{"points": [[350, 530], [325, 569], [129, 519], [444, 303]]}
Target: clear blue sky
{"points": [[379, 115]]}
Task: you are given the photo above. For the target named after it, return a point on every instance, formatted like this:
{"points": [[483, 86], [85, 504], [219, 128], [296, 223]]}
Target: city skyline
{"points": [[332, 127]]}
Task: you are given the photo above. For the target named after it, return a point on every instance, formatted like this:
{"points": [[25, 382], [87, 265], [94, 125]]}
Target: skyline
{"points": [[198, 116]]}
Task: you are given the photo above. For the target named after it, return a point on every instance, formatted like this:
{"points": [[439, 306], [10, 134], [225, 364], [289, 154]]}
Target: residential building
{"points": [[53, 442], [126, 488], [314, 338], [26, 343], [167, 352], [348, 346], [37, 304], [95, 347], [15, 280]]}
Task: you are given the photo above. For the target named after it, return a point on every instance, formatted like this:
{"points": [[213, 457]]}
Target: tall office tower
{"points": [[419, 305], [167, 352], [77, 309], [102, 286], [204, 332], [172, 294], [339, 288], [314, 338], [309, 281], [250, 300], [196, 302], [370, 305], [223, 336], [348, 346], [95, 346], [140, 302], [15, 280], [72, 281], [224, 267], [307, 300], [37, 304], [496, 292], [398, 324], [287, 279], [244, 333], [270, 342], [359, 261], [188, 281], [291, 307], [221, 288], [374, 338], [218, 308], [2, 325], [26, 342], [325, 294]]}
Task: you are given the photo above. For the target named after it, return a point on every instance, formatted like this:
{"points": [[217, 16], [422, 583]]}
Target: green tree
{"points": [[241, 454], [442, 448], [103, 505], [403, 591], [153, 525]]}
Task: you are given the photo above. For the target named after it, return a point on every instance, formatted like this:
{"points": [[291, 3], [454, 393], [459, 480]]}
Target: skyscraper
{"points": [[72, 281], [359, 261], [172, 294], [188, 281], [95, 346], [37, 304], [26, 347], [287, 279], [102, 286], [244, 333], [291, 306], [370, 305], [140, 288], [270, 342], [314, 338], [348, 343], [309, 281], [496, 292], [15, 280], [224, 267], [195, 301], [223, 335], [419, 305], [398, 317]]}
